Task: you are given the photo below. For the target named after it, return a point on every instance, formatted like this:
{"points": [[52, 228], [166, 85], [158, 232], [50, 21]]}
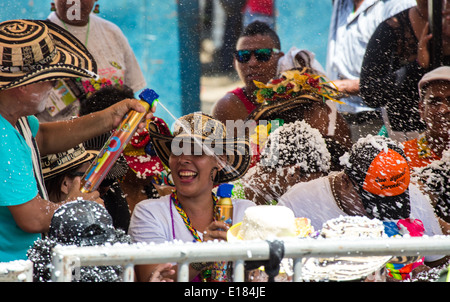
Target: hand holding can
{"points": [[116, 143]]}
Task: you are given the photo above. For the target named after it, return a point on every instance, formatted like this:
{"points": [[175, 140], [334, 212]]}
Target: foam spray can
{"points": [[115, 144], [221, 271], [224, 206]]}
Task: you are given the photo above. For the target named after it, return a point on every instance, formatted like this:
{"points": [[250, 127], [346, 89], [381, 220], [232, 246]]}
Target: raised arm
{"points": [[384, 76], [60, 136]]}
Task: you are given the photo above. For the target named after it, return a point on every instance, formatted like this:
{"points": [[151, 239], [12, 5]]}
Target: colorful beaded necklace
{"points": [[186, 220], [205, 274]]}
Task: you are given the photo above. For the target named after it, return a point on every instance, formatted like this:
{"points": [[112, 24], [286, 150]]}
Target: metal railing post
{"points": [[298, 266], [183, 272], [128, 273]]}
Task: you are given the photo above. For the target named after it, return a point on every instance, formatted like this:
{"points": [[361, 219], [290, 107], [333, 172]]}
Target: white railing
{"points": [[66, 259], [16, 271]]}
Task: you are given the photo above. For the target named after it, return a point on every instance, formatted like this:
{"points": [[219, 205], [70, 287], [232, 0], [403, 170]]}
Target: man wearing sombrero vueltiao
{"points": [[33, 55]]}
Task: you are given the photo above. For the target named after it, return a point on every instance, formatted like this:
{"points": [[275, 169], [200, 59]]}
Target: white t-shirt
{"points": [[314, 200], [158, 221], [116, 62]]}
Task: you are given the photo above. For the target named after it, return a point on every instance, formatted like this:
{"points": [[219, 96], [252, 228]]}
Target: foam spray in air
{"points": [[115, 144]]}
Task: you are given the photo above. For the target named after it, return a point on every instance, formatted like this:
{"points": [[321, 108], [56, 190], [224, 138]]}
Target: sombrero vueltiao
{"points": [[207, 131], [346, 268], [55, 164], [36, 50]]}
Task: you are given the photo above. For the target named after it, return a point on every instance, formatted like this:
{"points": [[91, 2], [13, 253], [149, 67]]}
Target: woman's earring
{"points": [[97, 9], [170, 179], [52, 7]]}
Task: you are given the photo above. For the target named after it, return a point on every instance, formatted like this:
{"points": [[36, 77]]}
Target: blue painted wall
{"points": [[304, 24], [169, 56]]}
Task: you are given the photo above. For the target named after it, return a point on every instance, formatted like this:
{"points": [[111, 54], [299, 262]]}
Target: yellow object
{"points": [[303, 228], [233, 233], [261, 134]]}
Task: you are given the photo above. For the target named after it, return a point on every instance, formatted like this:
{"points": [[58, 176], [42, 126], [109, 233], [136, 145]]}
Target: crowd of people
{"points": [[284, 137]]}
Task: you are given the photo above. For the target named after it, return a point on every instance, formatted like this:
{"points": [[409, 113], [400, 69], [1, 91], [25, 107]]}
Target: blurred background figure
{"points": [[116, 61], [352, 24], [223, 21], [396, 58], [232, 29], [255, 58]]}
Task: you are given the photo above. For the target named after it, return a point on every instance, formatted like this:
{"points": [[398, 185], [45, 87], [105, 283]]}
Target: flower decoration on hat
{"points": [[261, 134], [294, 83]]}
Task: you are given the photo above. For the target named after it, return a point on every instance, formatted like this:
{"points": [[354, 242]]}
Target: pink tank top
{"points": [[239, 92]]}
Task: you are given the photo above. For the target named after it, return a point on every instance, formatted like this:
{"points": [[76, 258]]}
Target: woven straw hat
{"points": [[208, 132], [286, 97], [35, 50], [55, 164]]}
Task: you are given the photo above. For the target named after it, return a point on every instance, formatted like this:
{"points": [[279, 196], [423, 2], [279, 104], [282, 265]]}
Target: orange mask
{"points": [[388, 174]]}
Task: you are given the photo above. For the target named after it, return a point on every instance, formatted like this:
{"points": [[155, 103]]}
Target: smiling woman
{"points": [[193, 173], [199, 157]]}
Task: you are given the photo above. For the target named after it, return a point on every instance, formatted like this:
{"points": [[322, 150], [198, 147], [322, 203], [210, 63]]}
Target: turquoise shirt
{"points": [[17, 186]]}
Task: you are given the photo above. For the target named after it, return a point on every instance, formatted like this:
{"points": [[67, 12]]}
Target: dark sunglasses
{"points": [[262, 54]]}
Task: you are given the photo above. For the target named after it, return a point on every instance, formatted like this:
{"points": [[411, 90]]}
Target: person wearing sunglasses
{"points": [[255, 59]]}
